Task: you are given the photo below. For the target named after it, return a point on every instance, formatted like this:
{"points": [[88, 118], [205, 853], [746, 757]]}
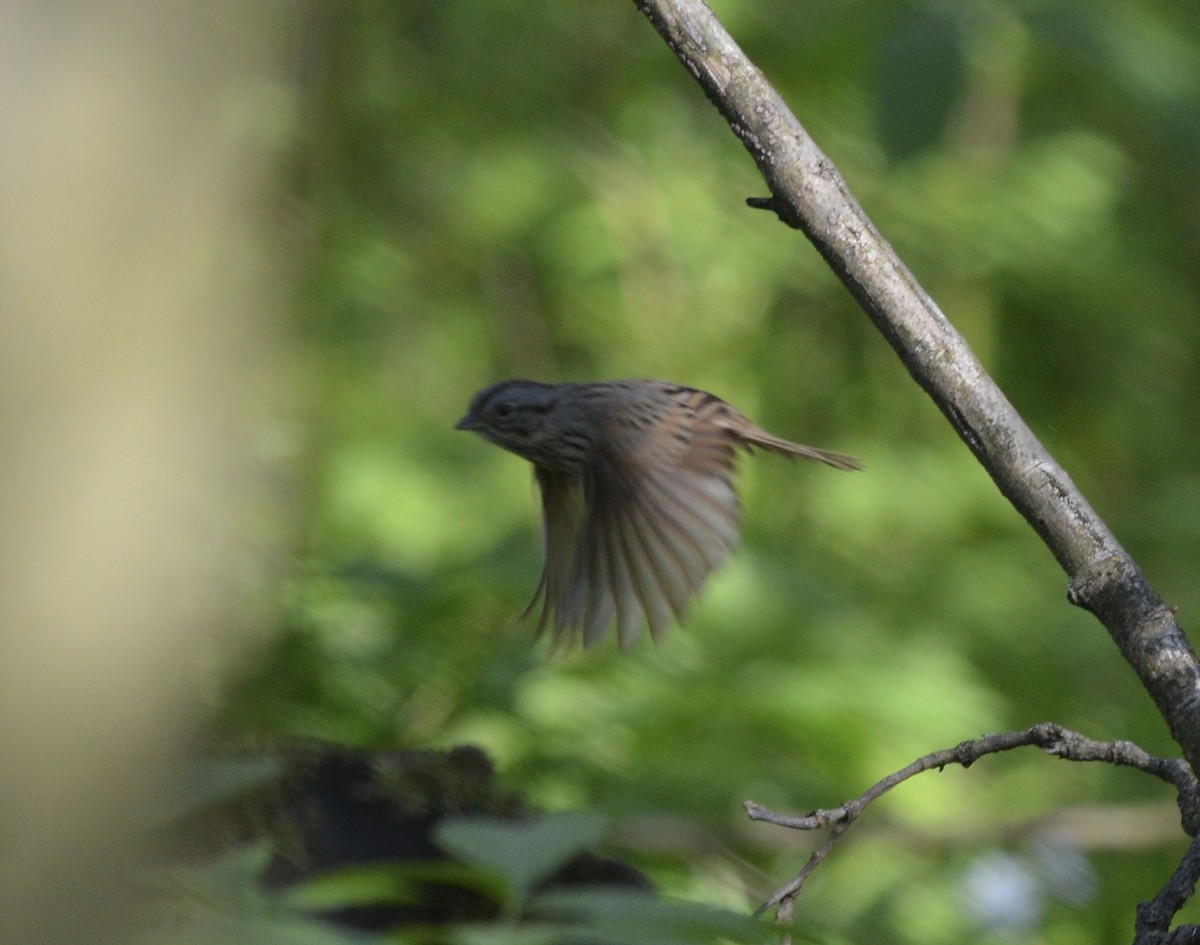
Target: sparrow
{"points": [[638, 499]]}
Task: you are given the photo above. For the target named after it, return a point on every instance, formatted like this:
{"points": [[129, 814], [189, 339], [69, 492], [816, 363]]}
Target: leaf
{"points": [[523, 853], [385, 883], [219, 901], [506, 935], [623, 917]]}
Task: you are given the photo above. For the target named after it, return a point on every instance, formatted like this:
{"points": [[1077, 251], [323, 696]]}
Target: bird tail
{"points": [[753, 436]]}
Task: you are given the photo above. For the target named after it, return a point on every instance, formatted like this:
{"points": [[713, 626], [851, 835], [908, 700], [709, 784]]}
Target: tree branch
{"points": [[809, 194], [1052, 739], [1153, 926]]}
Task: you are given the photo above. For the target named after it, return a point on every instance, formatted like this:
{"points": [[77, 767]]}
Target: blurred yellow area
{"points": [[137, 302]]}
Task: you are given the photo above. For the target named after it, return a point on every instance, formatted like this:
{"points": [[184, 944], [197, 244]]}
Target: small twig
{"points": [[1153, 926], [1051, 738], [786, 894]]}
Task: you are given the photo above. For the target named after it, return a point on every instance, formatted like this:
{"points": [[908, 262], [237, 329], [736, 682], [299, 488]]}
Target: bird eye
{"points": [[503, 411]]}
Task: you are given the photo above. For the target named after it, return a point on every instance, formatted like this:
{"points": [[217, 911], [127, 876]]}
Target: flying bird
{"points": [[638, 501]]}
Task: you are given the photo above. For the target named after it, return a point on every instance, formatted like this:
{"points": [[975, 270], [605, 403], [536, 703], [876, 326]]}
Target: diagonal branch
{"points": [[808, 193], [1052, 739]]}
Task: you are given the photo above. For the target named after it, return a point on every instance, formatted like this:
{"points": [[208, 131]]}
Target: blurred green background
{"points": [[491, 189]]}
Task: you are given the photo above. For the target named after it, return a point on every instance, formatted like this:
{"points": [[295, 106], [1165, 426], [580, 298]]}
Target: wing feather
{"points": [[661, 591], [666, 566], [631, 596], [596, 594], [562, 516], [651, 533], [634, 537]]}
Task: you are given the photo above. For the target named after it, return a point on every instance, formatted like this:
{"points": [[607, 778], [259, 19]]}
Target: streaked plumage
{"points": [[638, 501]]}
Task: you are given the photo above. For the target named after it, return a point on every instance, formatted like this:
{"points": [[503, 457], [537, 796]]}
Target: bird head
{"points": [[523, 417]]}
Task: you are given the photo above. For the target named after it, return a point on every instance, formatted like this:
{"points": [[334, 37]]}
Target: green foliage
{"points": [[524, 853], [219, 900], [492, 189]]}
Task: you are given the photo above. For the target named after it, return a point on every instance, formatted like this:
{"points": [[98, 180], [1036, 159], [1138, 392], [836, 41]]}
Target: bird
{"points": [[637, 489]]}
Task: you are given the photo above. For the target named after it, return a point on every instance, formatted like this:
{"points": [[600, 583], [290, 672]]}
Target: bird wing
{"points": [[635, 535], [562, 513], [658, 514]]}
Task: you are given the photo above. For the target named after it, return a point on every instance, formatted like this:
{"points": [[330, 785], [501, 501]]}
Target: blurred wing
{"points": [[562, 514], [655, 512], [658, 513]]}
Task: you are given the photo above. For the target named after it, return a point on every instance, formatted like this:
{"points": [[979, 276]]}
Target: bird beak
{"points": [[467, 423]]}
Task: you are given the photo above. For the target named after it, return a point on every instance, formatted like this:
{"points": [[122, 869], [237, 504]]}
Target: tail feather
{"points": [[752, 435]]}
